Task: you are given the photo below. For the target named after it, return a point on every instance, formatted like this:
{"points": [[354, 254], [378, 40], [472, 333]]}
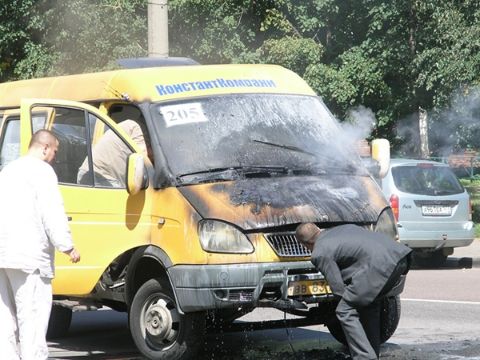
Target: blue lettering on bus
{"points": [[207, 85], [177, 88]]}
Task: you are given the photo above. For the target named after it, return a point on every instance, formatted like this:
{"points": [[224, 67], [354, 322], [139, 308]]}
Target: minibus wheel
{"points": [[60, 319], [157, 327], [389, 319]]}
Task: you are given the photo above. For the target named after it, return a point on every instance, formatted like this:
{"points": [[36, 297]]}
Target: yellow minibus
{"points": [[184, 185]]}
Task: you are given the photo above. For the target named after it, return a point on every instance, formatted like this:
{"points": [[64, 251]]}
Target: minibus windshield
{"points": [[230, 136]]}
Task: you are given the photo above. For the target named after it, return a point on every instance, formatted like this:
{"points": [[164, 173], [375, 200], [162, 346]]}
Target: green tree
{"points": [[64, 37], [14, 34], [400, 58]]}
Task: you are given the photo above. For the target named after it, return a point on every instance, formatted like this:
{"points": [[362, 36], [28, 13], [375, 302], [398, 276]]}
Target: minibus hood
{"points": [[260, 203]]}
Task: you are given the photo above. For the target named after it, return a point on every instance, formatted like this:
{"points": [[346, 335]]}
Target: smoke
{"points": [[457, 128], [451, 129], [357, 127], [407, 133], [359, 124]]}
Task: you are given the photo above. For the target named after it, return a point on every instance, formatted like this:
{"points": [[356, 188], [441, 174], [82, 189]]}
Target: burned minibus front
{"points": [[252, 166]]}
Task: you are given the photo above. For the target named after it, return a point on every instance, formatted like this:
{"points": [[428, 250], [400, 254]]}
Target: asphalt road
{"points": [[440, 321]]}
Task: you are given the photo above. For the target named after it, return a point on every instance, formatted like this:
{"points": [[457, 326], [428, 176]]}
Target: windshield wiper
{"points": [[283, 146], [222, 173], [232, 173]]}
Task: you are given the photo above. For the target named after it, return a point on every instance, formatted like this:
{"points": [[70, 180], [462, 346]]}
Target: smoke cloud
{"points": [[407, 133], [457, 127], [357, 127], [451, 129], [359, 123]]}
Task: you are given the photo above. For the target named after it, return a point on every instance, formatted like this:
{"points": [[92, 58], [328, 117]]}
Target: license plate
{"points": [[436, 210], [308, 287]]}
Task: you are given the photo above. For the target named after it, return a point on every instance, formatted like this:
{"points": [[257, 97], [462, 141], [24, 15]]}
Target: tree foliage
{"points": [[394, 57], [50, 37]]}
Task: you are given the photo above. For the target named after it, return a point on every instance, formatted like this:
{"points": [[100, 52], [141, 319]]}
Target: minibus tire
{"points": [[158, 329], [389, 319], [59, 322]]}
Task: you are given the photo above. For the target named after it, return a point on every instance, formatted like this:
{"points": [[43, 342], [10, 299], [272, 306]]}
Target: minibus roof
{"points": [[158, 84]]}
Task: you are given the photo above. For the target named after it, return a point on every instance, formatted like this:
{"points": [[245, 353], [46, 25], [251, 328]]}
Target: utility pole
{"points": [[158, 28]]}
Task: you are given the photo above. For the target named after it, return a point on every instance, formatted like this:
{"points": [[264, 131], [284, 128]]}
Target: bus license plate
{"points": [[308, 287]]}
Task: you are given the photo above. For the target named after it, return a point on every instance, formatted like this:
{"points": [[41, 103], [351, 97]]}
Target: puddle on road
{"points": [[225, 347], [273, 344]]}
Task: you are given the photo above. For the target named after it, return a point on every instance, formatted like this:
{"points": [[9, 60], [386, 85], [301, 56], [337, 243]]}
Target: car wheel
{"points": [[60, 319], [157, 327], [389, 319]]}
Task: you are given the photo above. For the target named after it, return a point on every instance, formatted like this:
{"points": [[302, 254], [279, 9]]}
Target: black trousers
{"points": [[362, 325]]}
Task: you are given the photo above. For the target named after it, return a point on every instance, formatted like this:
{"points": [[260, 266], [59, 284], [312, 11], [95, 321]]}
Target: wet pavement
{"points": [[440, 321], [418, 338]]}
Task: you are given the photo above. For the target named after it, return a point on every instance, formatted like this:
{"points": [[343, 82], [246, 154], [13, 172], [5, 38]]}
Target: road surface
{"points": [[440, 321]]}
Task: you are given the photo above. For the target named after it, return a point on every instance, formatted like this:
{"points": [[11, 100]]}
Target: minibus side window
{"points": [[10, 141], [68, 125], [39, 121]]}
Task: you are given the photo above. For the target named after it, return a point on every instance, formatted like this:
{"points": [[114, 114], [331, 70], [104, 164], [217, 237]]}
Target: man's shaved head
{"points": [[43, 145], [41, 138], [306, 234]]}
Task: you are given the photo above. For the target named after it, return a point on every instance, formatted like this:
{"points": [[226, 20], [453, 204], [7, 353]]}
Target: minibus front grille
{"points": [[286, 245]]}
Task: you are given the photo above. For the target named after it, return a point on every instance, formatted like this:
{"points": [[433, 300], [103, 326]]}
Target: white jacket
{"points": [[32, 217]]}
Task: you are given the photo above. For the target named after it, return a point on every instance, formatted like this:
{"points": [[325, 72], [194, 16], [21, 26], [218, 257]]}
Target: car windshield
{"points": [[426, 179], [231, 136]]}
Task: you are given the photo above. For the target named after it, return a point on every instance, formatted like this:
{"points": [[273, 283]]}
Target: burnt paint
{"points": [[271, 202]]}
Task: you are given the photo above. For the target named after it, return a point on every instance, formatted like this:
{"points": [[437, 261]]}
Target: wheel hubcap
{"points": [[158, 320]]}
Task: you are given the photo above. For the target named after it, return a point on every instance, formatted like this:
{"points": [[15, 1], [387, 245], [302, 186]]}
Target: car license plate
{"points": [[436, 210], [308, 287]]}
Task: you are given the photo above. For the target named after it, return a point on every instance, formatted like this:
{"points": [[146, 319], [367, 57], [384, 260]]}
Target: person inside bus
{"points": [[110, 156]]}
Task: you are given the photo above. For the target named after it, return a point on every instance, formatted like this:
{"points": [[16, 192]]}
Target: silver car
{"points": [[432, 208]]}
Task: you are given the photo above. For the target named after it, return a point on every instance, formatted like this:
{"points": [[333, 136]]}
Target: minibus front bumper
{"points": [[283, 285]]}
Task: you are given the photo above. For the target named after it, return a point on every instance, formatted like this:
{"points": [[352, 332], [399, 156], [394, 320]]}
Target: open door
{"points": [[92, 170]]}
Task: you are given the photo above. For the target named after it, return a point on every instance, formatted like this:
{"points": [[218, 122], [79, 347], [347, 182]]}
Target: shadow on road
{"points": [[450, 263]]}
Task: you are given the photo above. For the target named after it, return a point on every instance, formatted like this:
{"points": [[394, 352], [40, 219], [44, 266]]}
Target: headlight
{"points": [[217, 236], [386, 224]]}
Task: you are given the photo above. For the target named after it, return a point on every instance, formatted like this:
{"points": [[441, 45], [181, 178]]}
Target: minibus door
{"points": [[105, 220]]}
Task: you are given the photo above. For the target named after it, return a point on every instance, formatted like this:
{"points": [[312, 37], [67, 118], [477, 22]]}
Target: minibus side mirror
{"points": [[137, 178], [381, 154]]}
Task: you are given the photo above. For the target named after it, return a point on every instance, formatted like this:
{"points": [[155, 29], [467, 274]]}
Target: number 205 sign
{"points": [[182, 114]]}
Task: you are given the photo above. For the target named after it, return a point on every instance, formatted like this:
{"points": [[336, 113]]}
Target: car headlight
{"points": [[386, 224], [217, 236]]}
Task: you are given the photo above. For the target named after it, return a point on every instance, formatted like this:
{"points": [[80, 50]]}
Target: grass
{"points": [[473, 188]]}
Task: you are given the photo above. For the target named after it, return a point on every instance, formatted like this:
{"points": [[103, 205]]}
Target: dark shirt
{"points": [[356, 262]]}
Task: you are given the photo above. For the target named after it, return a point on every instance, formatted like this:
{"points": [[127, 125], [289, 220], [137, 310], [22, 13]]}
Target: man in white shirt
{"points": [[32, 224]]}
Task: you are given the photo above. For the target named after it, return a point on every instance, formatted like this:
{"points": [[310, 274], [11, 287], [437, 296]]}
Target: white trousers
{"points": [[25, 305]]}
